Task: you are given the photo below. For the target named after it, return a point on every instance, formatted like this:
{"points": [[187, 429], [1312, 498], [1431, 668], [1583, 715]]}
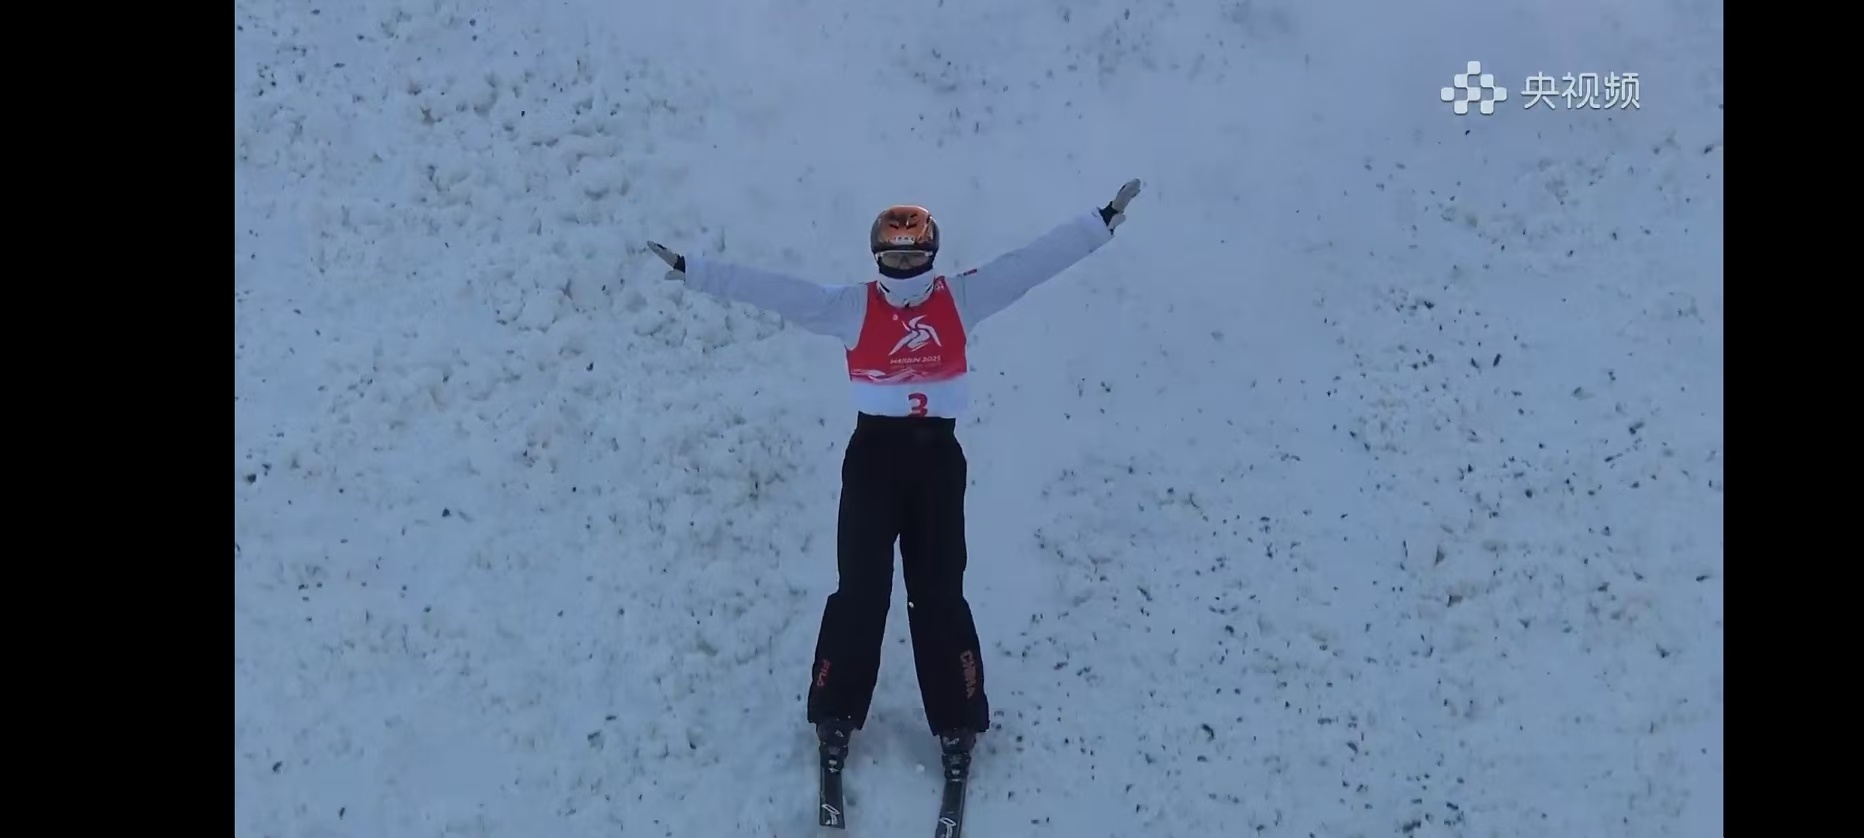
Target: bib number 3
{"points": [[918, 401]]}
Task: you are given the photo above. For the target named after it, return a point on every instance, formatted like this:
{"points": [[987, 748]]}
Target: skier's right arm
{"points": [[830, 310]]}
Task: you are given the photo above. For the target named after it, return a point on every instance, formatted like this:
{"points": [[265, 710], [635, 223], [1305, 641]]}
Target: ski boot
{"points": [[955, 751], [833, 738]]}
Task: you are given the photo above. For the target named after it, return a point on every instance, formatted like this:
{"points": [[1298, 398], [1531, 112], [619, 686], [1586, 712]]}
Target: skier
{"points": [[903, 472]]}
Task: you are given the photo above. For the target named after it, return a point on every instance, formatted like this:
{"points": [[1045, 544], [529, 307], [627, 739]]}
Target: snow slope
{"points": [[1369, 483]]}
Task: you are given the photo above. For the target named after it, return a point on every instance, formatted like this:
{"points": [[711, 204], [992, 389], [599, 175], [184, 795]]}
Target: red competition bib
{"points": [[910, 361]]}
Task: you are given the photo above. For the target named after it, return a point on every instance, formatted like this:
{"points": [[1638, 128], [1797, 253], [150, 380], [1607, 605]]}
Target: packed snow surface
{"points": [[1368, 483]]}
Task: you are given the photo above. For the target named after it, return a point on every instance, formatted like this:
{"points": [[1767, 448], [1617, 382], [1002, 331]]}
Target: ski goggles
{"points": [[904, 259]]}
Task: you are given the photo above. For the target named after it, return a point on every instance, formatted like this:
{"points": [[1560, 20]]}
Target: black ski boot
{"points": [[955, 752], [833, 736]]}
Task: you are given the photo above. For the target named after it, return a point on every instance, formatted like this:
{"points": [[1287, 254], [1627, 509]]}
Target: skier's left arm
{"points": [[993, 286]]}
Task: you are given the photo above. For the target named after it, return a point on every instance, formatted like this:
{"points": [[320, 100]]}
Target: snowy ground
{"points": [[1369, 483]]}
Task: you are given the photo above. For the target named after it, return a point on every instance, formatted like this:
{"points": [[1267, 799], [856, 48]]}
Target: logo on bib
{"points": [[918, 334]]}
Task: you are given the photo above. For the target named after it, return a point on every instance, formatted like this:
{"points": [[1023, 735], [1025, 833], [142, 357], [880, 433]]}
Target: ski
{"points": [[830, 811], [957, 761]]}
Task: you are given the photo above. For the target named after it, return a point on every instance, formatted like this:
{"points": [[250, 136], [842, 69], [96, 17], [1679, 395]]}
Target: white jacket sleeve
{"points": [[832, 310], [996, 284]]}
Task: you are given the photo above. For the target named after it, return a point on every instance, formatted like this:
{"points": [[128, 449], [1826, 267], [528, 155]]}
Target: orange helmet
{"points": [[904, 238], [904, 227]]}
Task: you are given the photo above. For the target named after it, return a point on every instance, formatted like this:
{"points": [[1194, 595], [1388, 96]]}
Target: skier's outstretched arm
{"points": [[993, 286], [829, 310]]}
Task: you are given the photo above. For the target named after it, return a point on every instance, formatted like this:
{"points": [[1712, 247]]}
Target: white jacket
{"points": [[837, 311]]}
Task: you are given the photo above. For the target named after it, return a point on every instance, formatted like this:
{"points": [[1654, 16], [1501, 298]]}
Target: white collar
{"points": [[906, 293]]}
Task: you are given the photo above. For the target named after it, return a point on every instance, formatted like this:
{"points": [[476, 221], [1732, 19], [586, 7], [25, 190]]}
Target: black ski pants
{"points": [[902, 479]]}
